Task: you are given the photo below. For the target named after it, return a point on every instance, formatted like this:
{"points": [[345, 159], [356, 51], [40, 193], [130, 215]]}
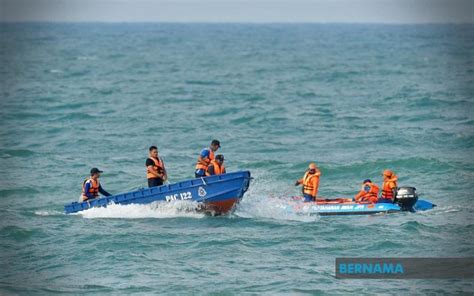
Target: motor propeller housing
{"points": [[406, 197]]}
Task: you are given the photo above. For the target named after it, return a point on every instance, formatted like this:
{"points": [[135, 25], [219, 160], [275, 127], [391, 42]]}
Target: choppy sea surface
{"points": [[356, 99]]}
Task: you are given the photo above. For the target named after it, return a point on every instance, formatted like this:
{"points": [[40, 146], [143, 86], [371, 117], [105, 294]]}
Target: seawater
{"points": [[356, 99]]}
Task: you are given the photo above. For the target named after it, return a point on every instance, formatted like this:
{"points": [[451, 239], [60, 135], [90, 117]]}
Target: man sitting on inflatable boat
{"points": [[389, 186], [310, 182], [368, 193]]}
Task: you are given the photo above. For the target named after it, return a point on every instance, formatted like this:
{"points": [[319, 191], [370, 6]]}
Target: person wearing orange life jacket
{"points": [[216, 167], [389, 186], [205, 158], [368, 193], [310, 182], [155, 168], [91, 186]]}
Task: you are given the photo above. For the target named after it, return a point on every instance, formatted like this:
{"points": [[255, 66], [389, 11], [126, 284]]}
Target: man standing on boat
{"points": [[217, 166], [310, 182], [91, 186], [205, 158], [155, 168]]}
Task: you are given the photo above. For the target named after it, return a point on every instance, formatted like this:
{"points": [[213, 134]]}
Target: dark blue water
{"points": [[356, 99]]}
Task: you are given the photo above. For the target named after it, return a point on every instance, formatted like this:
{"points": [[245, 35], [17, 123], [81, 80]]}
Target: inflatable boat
{"points": [[406, 200], [215, 194]]}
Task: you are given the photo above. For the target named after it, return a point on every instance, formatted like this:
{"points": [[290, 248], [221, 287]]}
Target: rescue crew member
{"points": [[389, 186], [368, 193], [216, 167], [205, 158], [155, 168], [91, 186], [310, 182]]}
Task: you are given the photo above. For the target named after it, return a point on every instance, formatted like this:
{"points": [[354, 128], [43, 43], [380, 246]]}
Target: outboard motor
{"points": [[406, 198]]}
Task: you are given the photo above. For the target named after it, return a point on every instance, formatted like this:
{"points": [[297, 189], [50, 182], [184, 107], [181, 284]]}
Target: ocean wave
{"points": [[24, 153], [16, 233], [87, 58], [426, 164], [202, 82]]}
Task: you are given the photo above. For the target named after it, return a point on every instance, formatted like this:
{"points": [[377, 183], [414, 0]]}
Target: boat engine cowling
{"points": [[406, 198]]}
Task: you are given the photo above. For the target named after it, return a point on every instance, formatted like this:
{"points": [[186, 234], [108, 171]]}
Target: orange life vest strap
{"points": [[93, 189]]}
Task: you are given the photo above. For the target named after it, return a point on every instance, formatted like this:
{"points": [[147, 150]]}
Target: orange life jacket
{"points": [[93, 189], [387, 187], [308, 186], [371, 195], [202, 165], [159, 167], [218, 169]]}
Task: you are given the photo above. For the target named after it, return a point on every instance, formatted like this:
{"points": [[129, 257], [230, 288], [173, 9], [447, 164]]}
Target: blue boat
{"points": [[216, 194], [406, 200], [350, 208]]}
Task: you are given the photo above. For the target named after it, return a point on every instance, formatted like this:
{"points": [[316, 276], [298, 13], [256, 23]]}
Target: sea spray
{"points": [[160, 209]]}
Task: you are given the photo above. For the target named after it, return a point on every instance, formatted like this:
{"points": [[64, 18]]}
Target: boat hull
{"points": [[348, 207], [215, 194]]}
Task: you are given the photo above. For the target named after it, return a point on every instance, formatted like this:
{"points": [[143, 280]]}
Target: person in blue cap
{"points": [[91, 186], [205, 158], [368, 193]]}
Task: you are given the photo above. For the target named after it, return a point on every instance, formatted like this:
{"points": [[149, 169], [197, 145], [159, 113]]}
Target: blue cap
{"points": [[367, 181], [95, 171]]}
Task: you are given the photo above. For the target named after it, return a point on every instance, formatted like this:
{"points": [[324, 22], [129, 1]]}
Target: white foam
{"points": [[172, 209], [48, 213], [260, 202], [442, 210], [271, 208]]}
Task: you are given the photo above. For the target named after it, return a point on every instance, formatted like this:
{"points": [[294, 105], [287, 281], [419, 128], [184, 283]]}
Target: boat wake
{"points": [[260, 202], [173, 209], [49, 213], [274, 208]]}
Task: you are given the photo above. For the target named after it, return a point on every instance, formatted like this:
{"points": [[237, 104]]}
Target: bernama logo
{"points": [[369, 268]]}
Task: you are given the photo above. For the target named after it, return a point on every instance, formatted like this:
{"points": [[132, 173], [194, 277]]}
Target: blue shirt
{"points": [[205, 153]]}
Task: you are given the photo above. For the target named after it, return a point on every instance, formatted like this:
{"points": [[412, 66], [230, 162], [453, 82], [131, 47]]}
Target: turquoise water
{"points": [[354, 99]]}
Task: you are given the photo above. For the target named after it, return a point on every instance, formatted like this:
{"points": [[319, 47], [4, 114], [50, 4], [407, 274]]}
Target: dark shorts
{"points": [[155, 182], [308, 197]]}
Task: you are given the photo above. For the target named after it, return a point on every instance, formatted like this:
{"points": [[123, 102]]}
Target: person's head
{"points": [[95, 173], [215, 144], [153, 150], [312, 168], [367, 181], [387, 174], [220, 159]]}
